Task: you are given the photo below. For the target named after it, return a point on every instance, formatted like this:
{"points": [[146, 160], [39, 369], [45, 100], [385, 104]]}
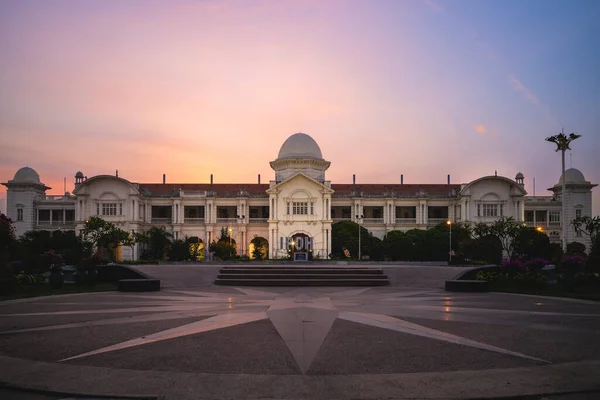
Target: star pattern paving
{"points": [[303, 317]]}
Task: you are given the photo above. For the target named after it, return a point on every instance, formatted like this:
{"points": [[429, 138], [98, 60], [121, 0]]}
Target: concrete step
{"points": [[301, 282], [292, 271], [301, 276]]}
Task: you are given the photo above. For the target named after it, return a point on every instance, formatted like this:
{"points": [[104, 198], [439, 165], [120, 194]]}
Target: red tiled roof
{"points": [[222, 189], [393, 190], [341, 190]]}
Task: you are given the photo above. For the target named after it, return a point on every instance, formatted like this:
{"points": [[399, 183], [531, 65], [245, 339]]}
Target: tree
{"points": [[102, 234], [344, 236], [7, 242], [179, 250], [159, 240], [589, 226], [530, 243], [505, 229], [260, 249]]}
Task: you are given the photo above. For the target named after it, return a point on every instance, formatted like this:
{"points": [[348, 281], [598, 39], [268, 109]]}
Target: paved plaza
{"points": [[194, 340]]}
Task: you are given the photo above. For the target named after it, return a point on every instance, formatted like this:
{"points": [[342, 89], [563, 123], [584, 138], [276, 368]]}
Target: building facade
{"points": [[299, 205]]}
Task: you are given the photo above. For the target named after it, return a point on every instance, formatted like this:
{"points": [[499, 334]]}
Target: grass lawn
{"points": [[24, 291]]}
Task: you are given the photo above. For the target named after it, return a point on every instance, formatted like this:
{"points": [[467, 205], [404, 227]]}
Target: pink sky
{"points": [[189, 88]]}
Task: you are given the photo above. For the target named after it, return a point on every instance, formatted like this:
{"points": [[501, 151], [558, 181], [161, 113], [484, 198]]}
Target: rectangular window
{"points": [[288, 207], [578, 213], [97, 209], [109, 209], [312, 208], [19, 214], [490, 210], [554, 216], [120, 209], [300, 208]]}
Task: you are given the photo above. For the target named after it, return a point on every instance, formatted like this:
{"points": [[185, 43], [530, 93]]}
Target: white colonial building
{"points": [[300, 205]]}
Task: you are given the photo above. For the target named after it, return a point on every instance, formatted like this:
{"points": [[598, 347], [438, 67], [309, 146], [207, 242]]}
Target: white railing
{"points": [[257, 220], [155, 220], [403, 221], [227, 220], [435, 221], [56, 223], [55, 197], [372, 220], [341, 219], [193, 220]]}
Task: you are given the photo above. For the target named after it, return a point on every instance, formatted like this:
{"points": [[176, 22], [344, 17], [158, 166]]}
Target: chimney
{"points": [[448, 179], [211, 179], [164, 178], [354, 179], [402, 179], [259, 179]]}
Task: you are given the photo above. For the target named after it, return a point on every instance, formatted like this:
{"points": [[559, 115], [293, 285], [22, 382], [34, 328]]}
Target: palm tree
{"points": [[562, 142]]}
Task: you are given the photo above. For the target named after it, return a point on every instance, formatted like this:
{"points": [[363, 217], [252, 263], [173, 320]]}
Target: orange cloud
{"points": [[480, 128]]}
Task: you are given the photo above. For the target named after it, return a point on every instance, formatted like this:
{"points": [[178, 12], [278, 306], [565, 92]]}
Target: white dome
{"points": [[300, 145], [573, 176], [27, 175]]}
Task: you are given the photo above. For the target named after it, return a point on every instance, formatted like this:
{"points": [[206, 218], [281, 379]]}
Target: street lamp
{"points": [[229, 236], [359, 219], [292, 243], [562, 142], [450, 242]]}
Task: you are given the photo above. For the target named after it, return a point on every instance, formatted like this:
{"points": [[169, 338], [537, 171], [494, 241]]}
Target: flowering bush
{"points": [[536, 264], [573, 263], [89, 263], [51, 260], [513, 267]]}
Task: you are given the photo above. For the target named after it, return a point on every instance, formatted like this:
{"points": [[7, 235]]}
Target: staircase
{"points": [[301, 276]]}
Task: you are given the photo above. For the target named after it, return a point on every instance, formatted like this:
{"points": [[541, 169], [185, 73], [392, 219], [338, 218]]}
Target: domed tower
{"points": [[577, 198], [300, 153], [78, 178], [520, 179], [21, 194]]}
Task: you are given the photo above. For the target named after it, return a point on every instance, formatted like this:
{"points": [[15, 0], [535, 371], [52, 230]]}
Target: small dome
{"points": [[27, 175], [520, 176], [300, 145], [573, 176], [79, 174]]}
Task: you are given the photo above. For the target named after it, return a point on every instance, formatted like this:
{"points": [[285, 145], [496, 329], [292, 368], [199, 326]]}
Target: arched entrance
{"points": [[258, 248], [196, 248], [301, 243]]}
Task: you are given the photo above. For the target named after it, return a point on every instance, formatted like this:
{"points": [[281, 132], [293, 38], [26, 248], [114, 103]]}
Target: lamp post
{"points": [[358, 221], [292, 243], [562, 142], [450, 242]]}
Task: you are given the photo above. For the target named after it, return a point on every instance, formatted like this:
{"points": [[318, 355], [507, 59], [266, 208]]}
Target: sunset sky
{"points": [[192, 87]]}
